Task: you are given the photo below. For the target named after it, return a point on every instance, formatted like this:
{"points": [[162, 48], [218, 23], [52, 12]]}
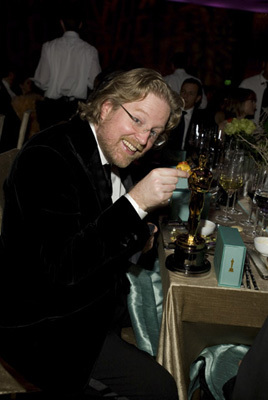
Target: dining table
{"points": [[198, 313]]}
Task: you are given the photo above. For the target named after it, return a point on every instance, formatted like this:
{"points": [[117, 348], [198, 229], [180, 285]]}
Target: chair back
{"points": [[2, 119], [6, 160], [23, 128]]}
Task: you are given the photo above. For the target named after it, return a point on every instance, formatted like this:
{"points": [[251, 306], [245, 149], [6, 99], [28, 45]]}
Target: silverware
{"points": [[256, 287], [249, 274], [258, 263]]}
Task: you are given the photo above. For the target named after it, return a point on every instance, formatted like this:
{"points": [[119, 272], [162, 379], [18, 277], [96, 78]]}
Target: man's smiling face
{"points": [[130, 131]]}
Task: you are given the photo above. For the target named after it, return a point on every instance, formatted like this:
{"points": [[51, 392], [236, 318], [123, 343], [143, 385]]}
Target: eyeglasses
{"points": [[138, 124]]}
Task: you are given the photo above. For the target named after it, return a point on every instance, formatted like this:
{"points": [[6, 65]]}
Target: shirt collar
{"points": [[189, 111], [263, 80], [70, 34], [180, 70], [102, 156]]}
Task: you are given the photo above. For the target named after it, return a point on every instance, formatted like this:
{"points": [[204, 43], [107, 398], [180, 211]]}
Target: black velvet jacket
{"points": [[64, 255]]}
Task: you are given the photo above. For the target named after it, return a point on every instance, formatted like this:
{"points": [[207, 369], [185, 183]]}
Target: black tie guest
{"points": [[66, 242], [191, 92], [200, 127]]}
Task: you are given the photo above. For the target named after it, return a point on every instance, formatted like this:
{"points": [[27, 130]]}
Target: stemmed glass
{"points": [[253, 182], [261, 198], [231, 179], [240, 155]]}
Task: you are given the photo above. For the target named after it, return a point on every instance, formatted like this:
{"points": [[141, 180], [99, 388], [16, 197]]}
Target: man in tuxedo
{"points": [[191, 92], [68, 233], [175, 80]]}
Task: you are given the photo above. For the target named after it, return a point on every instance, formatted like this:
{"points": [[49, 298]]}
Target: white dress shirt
{"points": [[257, 83], [117, 186], [67, 67]]}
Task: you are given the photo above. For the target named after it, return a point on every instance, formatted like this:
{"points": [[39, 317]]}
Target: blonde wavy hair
{"points": [[129, 86]]}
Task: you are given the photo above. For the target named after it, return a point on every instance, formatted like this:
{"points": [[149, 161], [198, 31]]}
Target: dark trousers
{"points": [[131, 373], [251, 382]]}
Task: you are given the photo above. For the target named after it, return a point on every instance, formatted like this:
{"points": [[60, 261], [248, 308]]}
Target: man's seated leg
{"points": [[132, 373], [252, 377]]}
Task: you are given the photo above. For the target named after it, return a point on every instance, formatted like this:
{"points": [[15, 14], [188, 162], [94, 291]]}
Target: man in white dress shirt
{"points": [[66, 72], [258, 84]]}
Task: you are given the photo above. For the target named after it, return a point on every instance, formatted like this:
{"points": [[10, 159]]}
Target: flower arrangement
{"points": [[254, 138], [240, 126]]}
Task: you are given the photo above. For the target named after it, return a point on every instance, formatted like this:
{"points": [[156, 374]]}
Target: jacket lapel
{"points": [[86, 147], [96, 170]]}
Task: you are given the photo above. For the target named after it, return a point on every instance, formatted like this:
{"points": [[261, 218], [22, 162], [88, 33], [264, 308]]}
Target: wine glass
{"points": [[241, 157], [261, 198], [252, 185], [231, 179]]}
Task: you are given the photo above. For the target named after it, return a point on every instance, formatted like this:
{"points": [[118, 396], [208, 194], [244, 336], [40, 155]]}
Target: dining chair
{"points": [[23, 128], [12, 383], [6, 160], [2, 119]]}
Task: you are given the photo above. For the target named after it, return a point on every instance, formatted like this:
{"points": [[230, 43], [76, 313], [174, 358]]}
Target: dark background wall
{"points": [[221, 44]]}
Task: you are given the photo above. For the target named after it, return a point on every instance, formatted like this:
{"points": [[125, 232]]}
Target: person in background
{"points": [[8, 90], [68, 233], [239, 103], [175, 80], [191, 92], [258, 83], [180, 137], [66, 71]]}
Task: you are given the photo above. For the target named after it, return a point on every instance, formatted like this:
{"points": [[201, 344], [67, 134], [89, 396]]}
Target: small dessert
{"points": [[184, 166]]}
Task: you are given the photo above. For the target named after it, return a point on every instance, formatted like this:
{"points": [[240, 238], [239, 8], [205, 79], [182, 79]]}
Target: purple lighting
{"points": [[259, 6]]}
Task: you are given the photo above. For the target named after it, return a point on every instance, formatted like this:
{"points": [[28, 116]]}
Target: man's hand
{"points": [[156, 188]]}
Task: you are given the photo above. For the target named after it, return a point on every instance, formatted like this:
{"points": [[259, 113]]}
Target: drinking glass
{"points": [[241, 158], [261, 198], [231, 179], [252, 185]]}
